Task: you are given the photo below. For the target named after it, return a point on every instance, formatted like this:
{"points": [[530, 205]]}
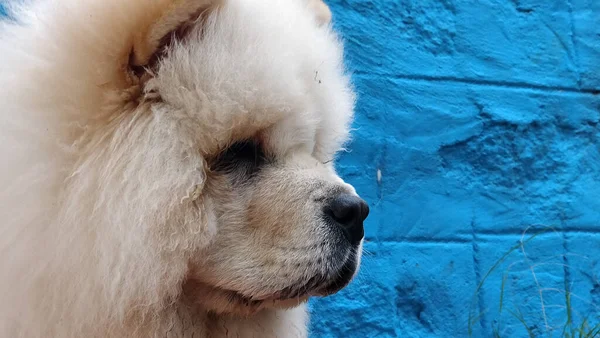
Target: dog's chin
{"points": [[223, 301], [343, 277]]}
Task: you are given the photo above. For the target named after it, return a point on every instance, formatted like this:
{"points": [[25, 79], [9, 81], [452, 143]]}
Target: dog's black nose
{"points": [[349, 212]]}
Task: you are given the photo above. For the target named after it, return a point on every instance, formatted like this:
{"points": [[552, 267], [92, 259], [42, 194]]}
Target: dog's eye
{"points": [[244, 157]]}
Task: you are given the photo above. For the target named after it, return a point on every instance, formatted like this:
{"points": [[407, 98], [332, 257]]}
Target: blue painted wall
{"points": [[482, 118]]}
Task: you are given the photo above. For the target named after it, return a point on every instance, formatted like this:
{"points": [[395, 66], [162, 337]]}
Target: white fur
{"points": [[97, 227]]}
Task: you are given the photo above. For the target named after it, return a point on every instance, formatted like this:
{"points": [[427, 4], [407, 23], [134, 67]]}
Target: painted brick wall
{"points": [[482, 118]]}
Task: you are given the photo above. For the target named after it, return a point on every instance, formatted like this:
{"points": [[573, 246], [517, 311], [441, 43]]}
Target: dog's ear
{"points": [[166, 18], [162, 21], [321, 11]]}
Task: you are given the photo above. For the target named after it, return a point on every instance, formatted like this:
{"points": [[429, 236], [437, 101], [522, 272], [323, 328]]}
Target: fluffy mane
{"points": [[98, 184]]}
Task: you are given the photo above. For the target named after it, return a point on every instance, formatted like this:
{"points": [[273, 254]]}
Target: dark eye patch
{"points": [[243, 158]]}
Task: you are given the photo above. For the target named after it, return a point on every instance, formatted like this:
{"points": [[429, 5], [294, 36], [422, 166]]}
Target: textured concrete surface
{"points": [[482, 118]]}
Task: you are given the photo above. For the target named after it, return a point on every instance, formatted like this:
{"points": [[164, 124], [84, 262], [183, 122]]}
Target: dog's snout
{"points": [[349, 212]]}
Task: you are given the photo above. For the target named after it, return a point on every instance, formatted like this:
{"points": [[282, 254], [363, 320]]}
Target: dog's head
{"points": [[263, 84], [210, 161]]}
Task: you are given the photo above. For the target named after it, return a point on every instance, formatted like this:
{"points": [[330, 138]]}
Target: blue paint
{"points": [[482, 117]]}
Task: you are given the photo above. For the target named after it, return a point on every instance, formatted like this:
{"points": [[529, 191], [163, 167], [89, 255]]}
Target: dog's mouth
{"points": [[222, 300], [321, 286], [343, 278], [317, 286]]}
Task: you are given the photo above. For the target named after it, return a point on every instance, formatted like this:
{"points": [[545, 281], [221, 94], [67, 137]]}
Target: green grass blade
{"points": [[493, 268], [521, 319]]}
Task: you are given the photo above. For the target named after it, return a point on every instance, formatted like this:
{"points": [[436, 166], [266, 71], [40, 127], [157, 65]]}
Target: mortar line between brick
{"points": [[566, 267], [532, 231], [488, 83], [481, 235], [478, 278], [420, 240], [573, 43]]}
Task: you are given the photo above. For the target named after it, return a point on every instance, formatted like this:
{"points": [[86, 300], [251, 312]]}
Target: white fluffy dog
{"points": [[166, 168]]}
